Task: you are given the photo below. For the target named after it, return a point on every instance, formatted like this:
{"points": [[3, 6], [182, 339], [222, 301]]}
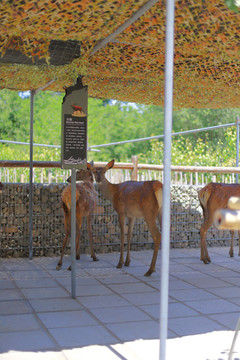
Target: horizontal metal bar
{"points": [[161, 136], [35, 144], [26, 143]]}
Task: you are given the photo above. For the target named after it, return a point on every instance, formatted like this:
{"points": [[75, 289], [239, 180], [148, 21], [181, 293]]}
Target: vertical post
{"points": [[237, 146], [168, 105], [135, 168], [31, 176], [73, 233]]}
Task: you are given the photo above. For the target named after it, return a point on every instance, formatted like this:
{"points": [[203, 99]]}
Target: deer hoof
{"points": [[77, 257], [231, 254], [58, 267], [69, 268], [94, 258], [119, 265], [127, 263], [206, 261], [149, 272]]}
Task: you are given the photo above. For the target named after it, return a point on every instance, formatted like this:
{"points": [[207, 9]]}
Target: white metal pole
{"points": [[32, 93], [168, 106], [237, 146], [73, 233]]}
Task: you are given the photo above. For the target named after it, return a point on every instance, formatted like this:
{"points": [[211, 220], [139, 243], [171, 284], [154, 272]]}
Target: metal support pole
{"points": [[73, 233], [31, 176], [168, 106], [237, 146]]}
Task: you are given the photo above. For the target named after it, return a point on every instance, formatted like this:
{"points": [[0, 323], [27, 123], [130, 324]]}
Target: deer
{"points": [[133, 199], [1, 187], [86, 200], [212, 197]]}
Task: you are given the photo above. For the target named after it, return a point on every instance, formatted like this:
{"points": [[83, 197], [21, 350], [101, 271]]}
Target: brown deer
{"points": [[212, 197], [86, 199], [133, 199]]}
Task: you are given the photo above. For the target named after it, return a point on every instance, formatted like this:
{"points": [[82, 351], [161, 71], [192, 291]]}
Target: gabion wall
{"points": [[48, 228]]}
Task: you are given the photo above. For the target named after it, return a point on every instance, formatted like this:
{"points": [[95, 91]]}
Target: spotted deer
{"points": [[212, 197], [86, 199], [133, 199]]}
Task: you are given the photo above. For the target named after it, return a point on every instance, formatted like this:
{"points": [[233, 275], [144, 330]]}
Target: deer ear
{"points": [[110, 164], [89, 166]]}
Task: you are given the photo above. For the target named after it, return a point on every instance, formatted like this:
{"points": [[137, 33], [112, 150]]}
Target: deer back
{"points": [[86, 197], [216, 195], [135, 198]]}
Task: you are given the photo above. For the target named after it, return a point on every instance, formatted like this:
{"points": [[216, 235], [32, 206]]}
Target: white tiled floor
{"points": [[116, 311]]}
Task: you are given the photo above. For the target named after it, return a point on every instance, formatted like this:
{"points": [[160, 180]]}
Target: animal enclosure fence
{"points": [[47, 220]]}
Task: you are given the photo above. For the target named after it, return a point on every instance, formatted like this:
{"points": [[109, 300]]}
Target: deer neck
{"points": [[108, 189]]}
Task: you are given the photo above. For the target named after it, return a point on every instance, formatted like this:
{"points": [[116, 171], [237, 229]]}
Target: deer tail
{"points": [[157, 188], [203, 196], [65, 208]]}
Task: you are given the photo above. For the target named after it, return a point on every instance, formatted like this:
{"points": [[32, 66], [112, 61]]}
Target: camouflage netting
{"points": [[44, 40]]}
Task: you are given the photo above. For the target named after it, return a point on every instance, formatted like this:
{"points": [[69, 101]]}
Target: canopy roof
{"points": [[44, 40]]}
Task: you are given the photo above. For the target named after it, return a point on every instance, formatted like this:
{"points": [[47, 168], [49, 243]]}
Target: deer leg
{"points": [[204, 253], [156, 235], [121, 223], [59, 265], [77, 240], [129, 237], [89, 224], [238, 243], [77, 243], [231, 252]]}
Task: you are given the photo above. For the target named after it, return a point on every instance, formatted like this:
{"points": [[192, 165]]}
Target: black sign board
{"points": [[74, 127], [75, 140]]}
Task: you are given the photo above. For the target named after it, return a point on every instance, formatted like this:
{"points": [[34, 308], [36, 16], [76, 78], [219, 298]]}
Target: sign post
{"points": [[74, 151]]}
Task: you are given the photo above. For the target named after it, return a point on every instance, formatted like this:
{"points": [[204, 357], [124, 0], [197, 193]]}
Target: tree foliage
{"points": [[113, 121]]}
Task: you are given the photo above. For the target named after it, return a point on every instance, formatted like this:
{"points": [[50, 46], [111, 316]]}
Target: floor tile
{"points": [[103, 301], [119, 314], [35, 283], [179, 285], [43, 305], [82, 336], [226, 292], [117, 311], [33, 274], [90, 290], [134, 330], [66, 319], [191, 294], [118, 279], [137, 287], [10, 294], [21, 322], [228, 320], [174, 310], [193, 325], [25, 341], [209, 282], [4, 275], [143, 298], [41, 293], [7, 284], [216, 306], [14, 307]]}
